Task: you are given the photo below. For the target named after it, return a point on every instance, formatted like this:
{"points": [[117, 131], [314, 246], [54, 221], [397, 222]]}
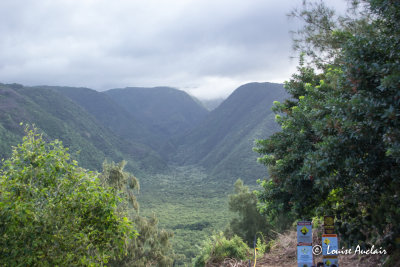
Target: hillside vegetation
{"points": [[111, 115], [166, 112], [60, 118]]}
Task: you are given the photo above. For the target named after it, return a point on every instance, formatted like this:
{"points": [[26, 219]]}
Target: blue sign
{"points": [[330, 245], [304, 256], [304, 233]]}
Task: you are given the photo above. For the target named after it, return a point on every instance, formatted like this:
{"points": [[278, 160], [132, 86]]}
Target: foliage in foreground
{"points": [[338, 151], [249, 221], [218, 248], [243, 230], [152, 247], [54, 213]]}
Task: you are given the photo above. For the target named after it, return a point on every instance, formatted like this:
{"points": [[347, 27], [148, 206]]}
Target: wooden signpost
{"points": [[329, 225], [330, 243]]}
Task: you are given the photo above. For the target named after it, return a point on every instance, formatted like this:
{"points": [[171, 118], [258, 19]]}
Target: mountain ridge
{"points": [[224, 140], [156, 126], [61, 118]]}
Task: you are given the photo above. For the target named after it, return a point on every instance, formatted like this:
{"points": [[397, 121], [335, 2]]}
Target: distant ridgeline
{"points": [[151, 128]]}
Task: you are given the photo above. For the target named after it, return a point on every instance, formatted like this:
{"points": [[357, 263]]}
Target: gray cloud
{"points": [[205, 47]]}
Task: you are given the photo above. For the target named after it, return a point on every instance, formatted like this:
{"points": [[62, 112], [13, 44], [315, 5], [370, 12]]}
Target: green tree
{"points": [[152, 247], [53, 212], [338, 150], [249, 221]]}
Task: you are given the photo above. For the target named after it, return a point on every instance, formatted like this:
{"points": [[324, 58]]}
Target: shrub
{"points": [[219, 248], [54, 213]]}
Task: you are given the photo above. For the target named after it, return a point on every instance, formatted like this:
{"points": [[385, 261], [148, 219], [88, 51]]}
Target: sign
{"points": [[329, 224], [304, 256], [330, 261], [330, 245], [304, 244], [304, 233]]}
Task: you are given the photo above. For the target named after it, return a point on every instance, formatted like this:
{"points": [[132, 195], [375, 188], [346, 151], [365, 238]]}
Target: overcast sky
{"points": [[205, 47]]}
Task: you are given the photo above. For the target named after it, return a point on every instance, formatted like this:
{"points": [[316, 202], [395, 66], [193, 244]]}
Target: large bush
{"points": [[53, 212], [219, 248], [248, 222]]}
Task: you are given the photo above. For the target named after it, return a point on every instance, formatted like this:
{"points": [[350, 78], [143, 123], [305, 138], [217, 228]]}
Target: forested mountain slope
{"points": [[223, 142], [61, 118], [106, 111], [168, 112], [113, 116]]}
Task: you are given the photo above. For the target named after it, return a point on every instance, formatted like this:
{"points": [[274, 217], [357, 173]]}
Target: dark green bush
{"points": [[219, 248]]}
